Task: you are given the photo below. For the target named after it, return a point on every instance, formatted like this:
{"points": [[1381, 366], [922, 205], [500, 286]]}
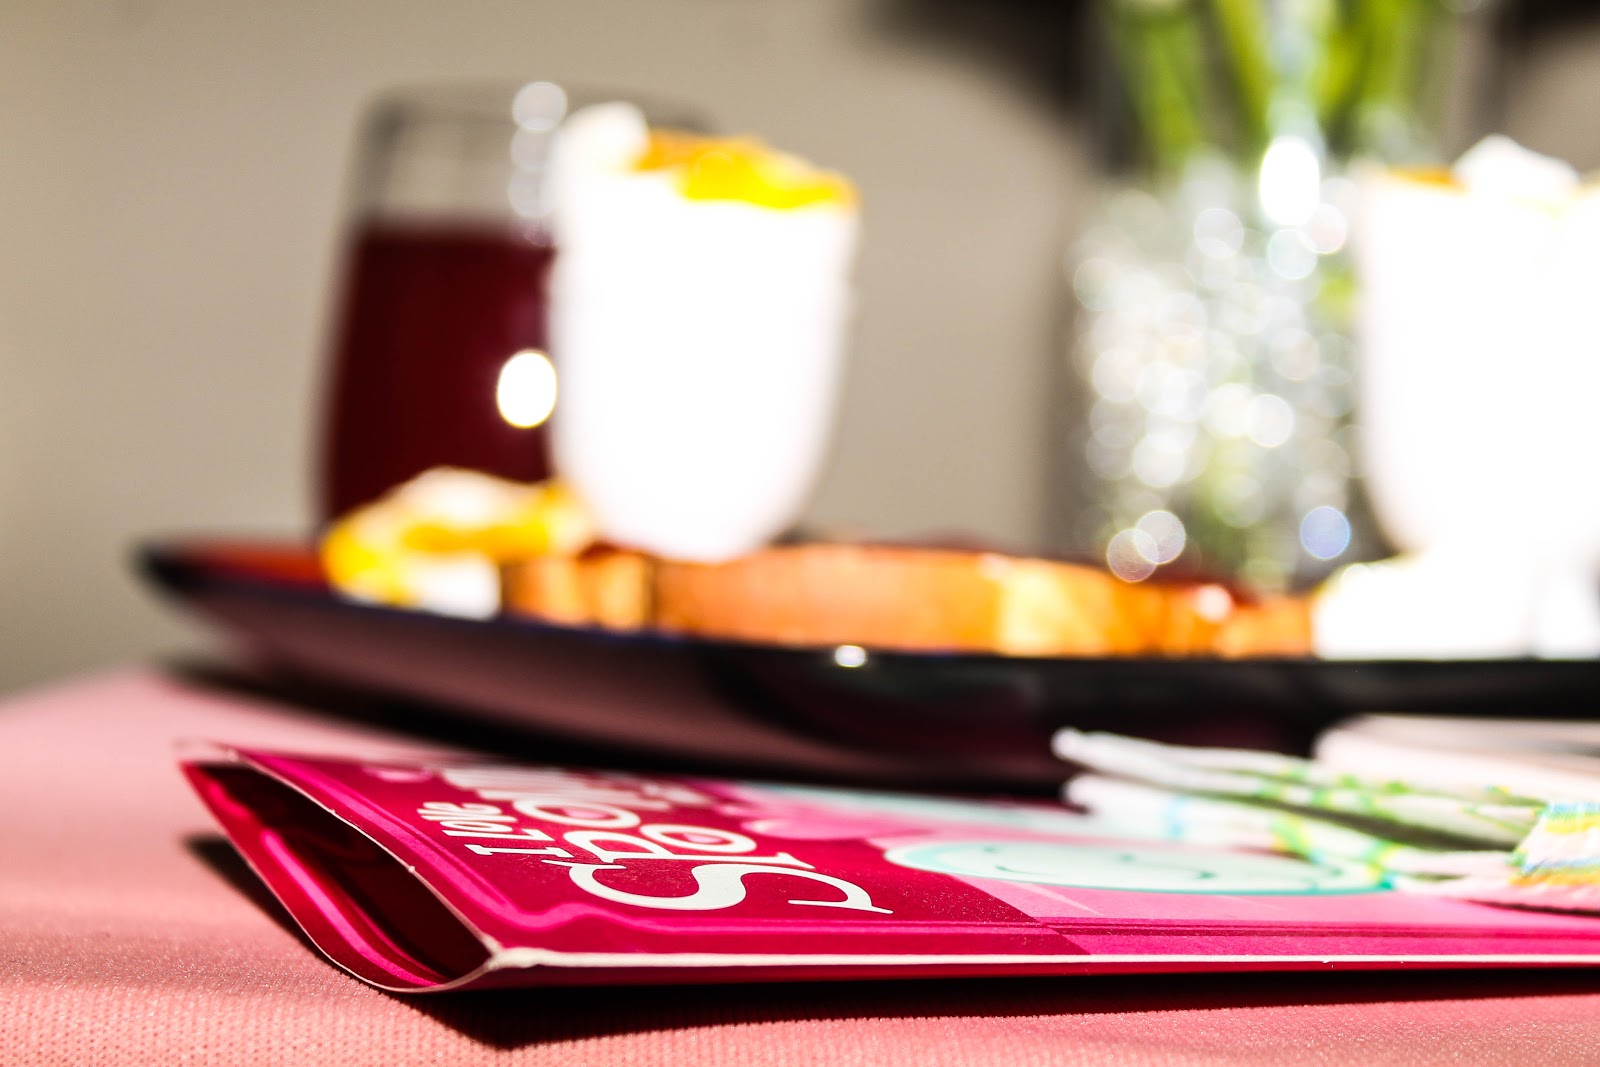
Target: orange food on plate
{"points": [[467, 544]]}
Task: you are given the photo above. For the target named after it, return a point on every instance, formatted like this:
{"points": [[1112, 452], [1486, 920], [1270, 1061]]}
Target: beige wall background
{"points": [[172, 175]]}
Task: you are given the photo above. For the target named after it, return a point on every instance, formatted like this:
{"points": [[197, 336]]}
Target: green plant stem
{"points": [[1386, 97], [1161, 56], [1337, 76], [1245, 45]]}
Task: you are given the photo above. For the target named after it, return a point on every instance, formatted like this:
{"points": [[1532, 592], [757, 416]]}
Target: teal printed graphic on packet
{"points": [[1138, 868]]}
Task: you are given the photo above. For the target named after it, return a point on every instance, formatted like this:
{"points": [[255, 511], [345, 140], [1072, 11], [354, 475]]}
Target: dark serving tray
{"points": [[954, 719]]}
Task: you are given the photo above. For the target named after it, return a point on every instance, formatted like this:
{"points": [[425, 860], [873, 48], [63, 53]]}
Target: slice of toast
{"points": [[830, 594], [908, 598]]}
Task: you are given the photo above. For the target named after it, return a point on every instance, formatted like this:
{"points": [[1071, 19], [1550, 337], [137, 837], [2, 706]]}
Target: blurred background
{"points": [[174, 176]]}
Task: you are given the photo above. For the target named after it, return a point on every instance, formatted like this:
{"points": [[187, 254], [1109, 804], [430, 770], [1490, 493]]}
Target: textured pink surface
{"points": [[123, 939]]}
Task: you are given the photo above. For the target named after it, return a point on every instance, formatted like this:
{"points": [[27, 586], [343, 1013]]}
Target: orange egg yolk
{"points": [[742, 169]]}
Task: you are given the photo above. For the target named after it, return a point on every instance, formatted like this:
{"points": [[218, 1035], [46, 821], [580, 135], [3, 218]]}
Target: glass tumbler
{"points": [[439, 348]]}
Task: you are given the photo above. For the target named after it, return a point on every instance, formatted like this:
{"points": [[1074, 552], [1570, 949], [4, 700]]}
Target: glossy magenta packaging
{"points": [[429, 876]]}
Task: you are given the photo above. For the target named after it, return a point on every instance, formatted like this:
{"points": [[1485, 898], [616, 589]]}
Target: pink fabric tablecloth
{"points": [[129, 934]]}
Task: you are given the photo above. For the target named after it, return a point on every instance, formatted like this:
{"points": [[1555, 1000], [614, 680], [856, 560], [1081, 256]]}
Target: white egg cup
{"points": [[698, 345], [695, 426], [1480, 412]]}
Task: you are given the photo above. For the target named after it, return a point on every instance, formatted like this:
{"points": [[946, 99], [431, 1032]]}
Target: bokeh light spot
{"points": [[526, 390]]}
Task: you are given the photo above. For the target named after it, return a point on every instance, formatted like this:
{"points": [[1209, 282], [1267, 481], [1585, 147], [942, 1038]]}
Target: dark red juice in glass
{"points": [[431, 313]]}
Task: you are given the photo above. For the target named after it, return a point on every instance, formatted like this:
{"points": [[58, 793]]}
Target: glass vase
{"points": [[1214, 359]]}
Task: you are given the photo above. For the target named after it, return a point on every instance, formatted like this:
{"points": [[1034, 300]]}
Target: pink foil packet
{"points": [[424, 876]]}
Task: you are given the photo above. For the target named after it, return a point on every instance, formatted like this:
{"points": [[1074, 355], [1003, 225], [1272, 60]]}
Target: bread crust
{"points": [[601, 586]]}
